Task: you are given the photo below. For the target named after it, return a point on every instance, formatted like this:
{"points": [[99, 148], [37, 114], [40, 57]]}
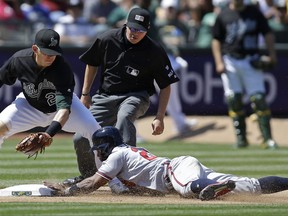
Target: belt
{"points": [[237, 55], [167, 180]]}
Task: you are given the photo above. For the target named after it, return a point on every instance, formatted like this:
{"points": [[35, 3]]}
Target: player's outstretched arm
{"points": [[86, 186]]}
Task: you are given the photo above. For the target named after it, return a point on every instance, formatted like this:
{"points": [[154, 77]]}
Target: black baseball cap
{"points": [[139, 18], [48, 42]]}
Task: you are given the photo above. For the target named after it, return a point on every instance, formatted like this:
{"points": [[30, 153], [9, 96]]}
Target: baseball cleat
{"points": [[215, 190], [269, 144], [242, 143]]}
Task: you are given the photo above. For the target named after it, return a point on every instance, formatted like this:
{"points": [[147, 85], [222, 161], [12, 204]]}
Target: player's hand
{"points": [[157, 126], [220, 68], [45, 138], [86, 100], [58, 188]]}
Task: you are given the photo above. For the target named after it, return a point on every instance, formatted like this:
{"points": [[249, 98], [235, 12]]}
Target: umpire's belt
{"points": [[237, 55]]}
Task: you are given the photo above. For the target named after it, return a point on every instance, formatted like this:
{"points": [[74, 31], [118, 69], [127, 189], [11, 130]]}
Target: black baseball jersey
{"points": [[47, 89], [238, 31], [127, 67]]}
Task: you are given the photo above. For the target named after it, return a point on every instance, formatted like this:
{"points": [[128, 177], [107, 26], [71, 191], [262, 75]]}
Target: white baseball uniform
{"points": [[240, 76], [20, 116], [139, 166]]}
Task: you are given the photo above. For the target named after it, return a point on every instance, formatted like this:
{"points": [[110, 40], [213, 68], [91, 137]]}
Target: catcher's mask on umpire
{"points": [[104, 140]]}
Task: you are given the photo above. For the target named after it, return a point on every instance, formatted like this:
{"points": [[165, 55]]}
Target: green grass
{"points": [[133, 210], [59, 162]]}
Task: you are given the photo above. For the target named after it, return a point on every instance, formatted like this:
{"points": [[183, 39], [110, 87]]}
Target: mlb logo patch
{"points": [[139, 18], [132, 71]]}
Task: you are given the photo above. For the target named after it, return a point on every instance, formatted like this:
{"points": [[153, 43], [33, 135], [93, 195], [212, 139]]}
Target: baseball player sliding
{"points": [[138, 168]]}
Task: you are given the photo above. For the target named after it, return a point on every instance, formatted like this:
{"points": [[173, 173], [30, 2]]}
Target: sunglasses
{"points": [[136, 30]]}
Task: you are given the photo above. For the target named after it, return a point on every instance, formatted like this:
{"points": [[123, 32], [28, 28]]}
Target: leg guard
{"points": [[273, 184], [85, 157], [236, 112], [263, 113]]}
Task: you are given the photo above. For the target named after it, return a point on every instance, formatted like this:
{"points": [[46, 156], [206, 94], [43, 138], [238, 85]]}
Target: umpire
{"points": [[129, 61]]}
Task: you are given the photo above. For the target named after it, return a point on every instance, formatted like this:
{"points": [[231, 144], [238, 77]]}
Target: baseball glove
{"points": [[263, 63], [34, 143]]}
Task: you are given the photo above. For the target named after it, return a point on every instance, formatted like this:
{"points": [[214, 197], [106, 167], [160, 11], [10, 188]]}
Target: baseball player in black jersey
{"points": [[47, 97], [235, 46], [130, 62]]}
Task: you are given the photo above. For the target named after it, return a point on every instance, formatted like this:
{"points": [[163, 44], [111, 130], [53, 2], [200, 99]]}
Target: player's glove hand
{"points": [[34, 143], [263, 63], [58, 188]]}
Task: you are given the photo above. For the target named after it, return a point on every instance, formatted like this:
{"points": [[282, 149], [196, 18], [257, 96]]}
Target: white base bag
{"points": [[27, 190]]}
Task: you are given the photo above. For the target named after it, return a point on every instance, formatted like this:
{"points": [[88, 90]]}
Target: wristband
{"points": [[85, 94], [54, 128]]}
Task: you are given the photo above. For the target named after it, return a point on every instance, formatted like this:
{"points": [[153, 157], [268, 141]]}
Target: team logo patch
{"points": [[132, 71], [139, 18], [54, 42]]}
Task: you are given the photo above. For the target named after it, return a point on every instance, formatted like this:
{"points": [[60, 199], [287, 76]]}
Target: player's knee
{"points": [[259, 104], [81, 143], [187, 192], [3, 128], [235, 105]]}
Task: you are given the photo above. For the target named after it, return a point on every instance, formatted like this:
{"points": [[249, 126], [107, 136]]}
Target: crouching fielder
{"points": [[47, 97], [138, 168]]}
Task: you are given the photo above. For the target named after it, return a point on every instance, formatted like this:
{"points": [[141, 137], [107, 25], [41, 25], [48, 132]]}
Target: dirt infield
{"points": [[105, 196]]}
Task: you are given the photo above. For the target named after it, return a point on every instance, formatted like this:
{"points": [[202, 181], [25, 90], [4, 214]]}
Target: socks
{"points": [[273, 184]]}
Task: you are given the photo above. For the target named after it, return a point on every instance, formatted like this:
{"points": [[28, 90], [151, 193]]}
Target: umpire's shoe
{"points": [[215, 190], [72, 181]]}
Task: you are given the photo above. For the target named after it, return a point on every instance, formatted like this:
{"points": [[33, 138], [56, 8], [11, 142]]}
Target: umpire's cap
{"points": [[139, 18], [48, 42]]}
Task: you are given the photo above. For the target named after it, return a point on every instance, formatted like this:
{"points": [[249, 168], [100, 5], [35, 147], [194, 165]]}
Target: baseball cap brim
{"points": [[136, 26], [51, 52]]}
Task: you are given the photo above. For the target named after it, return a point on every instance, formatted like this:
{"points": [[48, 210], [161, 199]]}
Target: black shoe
{"points": [[72, 181], [215, 190]]}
